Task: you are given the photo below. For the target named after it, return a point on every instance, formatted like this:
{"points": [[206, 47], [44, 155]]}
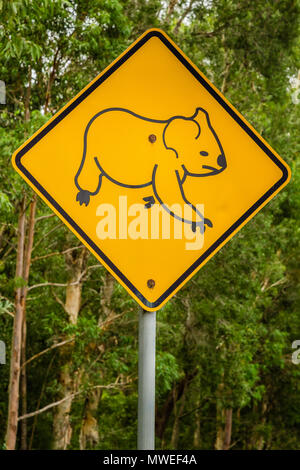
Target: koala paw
{"points": [[83, 197], [200, 225], [150, 201], [208, 222]]}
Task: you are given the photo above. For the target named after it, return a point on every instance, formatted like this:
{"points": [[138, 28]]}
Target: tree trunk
{"points": [[197, 430], [178, 414], [163, 414], [219, 424], [228, 427], [220, 430], [171, 7], [23, 385], [13, 405], [106, 295], [62, 429], [27, 96], [261, 439], [61, 422], [51, 81], [26, 271], [89, 433], [220, 415]]}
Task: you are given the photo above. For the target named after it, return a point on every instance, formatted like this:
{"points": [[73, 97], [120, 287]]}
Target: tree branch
{"points": [[69, 397], [57, 253], [183, 16], [54, 346], [44, 236], [277, 283], [58, 300], [69, 340], [56, 284], [42, 217]]}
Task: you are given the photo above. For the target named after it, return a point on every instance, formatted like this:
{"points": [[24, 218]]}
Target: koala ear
{"points": [[178, 132], [201, 117]]}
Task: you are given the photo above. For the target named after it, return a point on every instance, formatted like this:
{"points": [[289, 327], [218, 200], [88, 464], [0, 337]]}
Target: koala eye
{"points": [[203, 153]]}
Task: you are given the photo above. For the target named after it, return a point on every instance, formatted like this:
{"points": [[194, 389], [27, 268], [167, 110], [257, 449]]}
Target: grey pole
{"points": [[146, 386]]}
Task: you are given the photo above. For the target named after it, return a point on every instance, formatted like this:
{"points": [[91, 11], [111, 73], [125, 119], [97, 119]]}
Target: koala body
{"points": [[135, 151]]}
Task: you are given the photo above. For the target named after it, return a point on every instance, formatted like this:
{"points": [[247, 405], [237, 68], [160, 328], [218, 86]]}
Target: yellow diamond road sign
{"points": [[152, 168]]}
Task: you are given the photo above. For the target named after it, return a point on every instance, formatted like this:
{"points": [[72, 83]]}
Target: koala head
{"points": [[195, 144]]}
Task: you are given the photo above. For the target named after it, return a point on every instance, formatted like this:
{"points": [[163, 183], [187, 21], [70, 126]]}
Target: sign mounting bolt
{"points": [[152, 138], [150, 283]]}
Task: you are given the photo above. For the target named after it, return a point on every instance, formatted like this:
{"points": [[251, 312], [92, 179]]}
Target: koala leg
{"points": [[169, 192], [87, 178], [83, 196]]}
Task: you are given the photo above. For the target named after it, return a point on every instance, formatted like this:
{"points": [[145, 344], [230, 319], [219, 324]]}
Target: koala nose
{"points": [[221, 160]]}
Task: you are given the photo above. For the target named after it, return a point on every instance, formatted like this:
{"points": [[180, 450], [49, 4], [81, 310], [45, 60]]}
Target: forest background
{"points": [[225, 375]]}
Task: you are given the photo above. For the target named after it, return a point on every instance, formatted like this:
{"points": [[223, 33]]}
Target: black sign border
{"points": [[231, 112]]}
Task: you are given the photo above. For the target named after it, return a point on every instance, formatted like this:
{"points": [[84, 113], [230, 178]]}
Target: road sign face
{"points": [[152, 168]]}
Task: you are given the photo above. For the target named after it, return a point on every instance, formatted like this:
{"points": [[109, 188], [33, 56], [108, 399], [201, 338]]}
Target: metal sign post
{"points": [[146, 386]]}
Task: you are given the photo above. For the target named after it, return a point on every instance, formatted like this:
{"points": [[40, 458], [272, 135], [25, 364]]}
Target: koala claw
{"points": [[150, 201], [208, 222], [83, 197], [200, 225]]}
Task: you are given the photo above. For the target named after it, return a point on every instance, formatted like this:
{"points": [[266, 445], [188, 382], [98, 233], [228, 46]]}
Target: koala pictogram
{"points": [[134, 151]]}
